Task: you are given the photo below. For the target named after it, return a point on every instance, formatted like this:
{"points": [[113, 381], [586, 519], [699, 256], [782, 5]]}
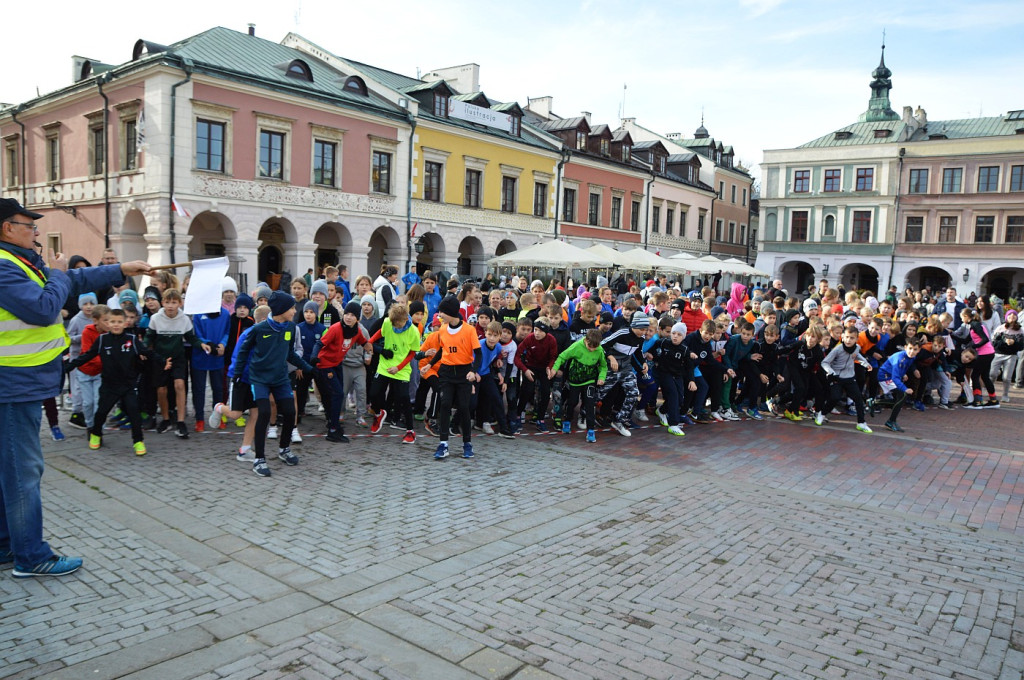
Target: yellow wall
{"points": [[497, 154]]}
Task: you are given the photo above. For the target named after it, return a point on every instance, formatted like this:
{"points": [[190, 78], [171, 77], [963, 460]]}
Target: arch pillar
{"points": [[299, 257], [356, 258], [243, 259]]}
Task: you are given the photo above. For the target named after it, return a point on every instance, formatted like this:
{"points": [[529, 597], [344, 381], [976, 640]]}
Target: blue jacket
{"points": [[309, 334], [233, 365], [345, 288], [895, 367], [23, 298], [432, 300], [265, 354], [212, 330]]}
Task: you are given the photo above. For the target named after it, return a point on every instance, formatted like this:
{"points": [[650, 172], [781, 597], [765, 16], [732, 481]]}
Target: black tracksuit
{"points": [[119, 355]]}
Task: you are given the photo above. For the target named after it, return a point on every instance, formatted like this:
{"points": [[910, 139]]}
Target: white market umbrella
{"points": [[556, 254], [601, 250], [641, 259]]}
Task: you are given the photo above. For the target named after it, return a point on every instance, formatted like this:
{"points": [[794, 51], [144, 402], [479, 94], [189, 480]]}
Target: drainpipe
{"points": [[105, 78], [24, 180], [566, 155], [647, 210], [186, 66], [408, 195], [896, 225], [711, 222]]}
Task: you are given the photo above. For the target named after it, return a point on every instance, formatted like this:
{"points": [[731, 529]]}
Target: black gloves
{"points": [[387, 354]]}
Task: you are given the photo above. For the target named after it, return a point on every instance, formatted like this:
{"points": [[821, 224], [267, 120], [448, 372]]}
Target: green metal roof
{"points": [[859, 133], [991, 126]]}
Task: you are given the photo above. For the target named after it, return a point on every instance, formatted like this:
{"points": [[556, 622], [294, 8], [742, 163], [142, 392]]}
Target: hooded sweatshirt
{"points": [[735, 305]]}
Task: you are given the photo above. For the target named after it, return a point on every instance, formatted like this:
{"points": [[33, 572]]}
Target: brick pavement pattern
{"points": [[744, 550]]}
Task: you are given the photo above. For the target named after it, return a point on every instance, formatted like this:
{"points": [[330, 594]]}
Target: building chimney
{"points": [[921, 116], [540, 106], [674, 135], [586, 114], [908, 113], [252, 29]]}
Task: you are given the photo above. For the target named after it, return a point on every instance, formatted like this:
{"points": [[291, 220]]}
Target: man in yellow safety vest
{"points": [[32, 340]]}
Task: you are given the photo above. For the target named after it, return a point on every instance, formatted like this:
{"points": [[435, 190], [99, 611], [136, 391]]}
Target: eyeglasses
{"points": [[30, 225]]}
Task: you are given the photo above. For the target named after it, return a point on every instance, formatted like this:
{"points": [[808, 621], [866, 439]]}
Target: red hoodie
{"points": [[89, 336], [693, 318]]}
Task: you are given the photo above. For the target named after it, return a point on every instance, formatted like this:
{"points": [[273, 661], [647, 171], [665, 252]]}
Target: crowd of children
{"points": [[500, 358]]}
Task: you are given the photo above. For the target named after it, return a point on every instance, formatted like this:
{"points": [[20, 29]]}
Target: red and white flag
{"points": [[415, 224], [179, 209]]}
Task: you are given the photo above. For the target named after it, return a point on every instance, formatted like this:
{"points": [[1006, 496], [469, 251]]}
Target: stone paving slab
{"points": [[746, 550]]}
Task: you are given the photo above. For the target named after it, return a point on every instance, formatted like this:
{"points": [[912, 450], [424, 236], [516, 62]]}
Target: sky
{"points": [[765, 74]]}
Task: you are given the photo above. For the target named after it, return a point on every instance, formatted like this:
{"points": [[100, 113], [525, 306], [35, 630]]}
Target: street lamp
{"points": [[751, 239], [824, 269], [967, 274], [420, 245], [69, 209]]}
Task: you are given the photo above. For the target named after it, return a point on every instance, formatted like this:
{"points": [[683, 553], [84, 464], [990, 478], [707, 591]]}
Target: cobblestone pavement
{"points": [[743, 550]]}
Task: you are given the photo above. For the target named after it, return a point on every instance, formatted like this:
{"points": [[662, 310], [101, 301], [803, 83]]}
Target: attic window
{"points": [[299, 70], [1020, 131], [626, 152], [937, 135], [844, 134], [1015, 115], [355, 85], [515, 126], [144, 47], [882, 133]]}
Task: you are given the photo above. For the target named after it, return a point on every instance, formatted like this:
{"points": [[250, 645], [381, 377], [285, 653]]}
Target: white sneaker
{"points": [[621, 429], [663, 418], [320, 408], [729, 414], [296, 437], [272, 432], [214, 420], [581, 424], [676, 430], [717, 415], [488, 429], [641, 415], [246, 456], [819, 418], [863, 427]]}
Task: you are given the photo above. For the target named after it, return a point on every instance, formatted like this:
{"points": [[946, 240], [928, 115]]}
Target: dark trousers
{"points": [[330, 381], [849, 387], [454, 390], [752, 385], [489, 402], [539, 385], [576, 393], [426, 386], [695, 400], [713, 372], [393, 395], [199, 379], [128, 395], [326, 392], [285, 410], [673, 388]]}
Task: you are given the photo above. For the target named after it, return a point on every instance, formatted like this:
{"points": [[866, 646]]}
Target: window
{"points": [[655, 219], [915, 227], [947, 229], [700, 227], [1015, 229], [604, 146], [743, 233], [381, 172], [271, 154], [798, 226], [594, 210], [209, 146], [801, 181], [616, 221], [540, 199], [355, 85], [951, 180], [659, 164], [918, 182], [733, 192], [581, 140], [508, 194], [988, 178], [432, 181], [568, 205], [473, 189], [97, 150], [11, 163], [626, 152], [324, 168], [732, 232], [440, 105], [634, 216], [52, 158], [130, 140], [830, 226], [861, 226], [721, 191], [1017, 178], [670, 216], [718, 229], [682, 223], [984, 226], [865, 179], [515, 126], [744, 197], [299, 70], [832, 180]]}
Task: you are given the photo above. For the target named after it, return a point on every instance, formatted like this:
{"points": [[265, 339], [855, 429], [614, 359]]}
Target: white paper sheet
{"points": [[205, 286]]}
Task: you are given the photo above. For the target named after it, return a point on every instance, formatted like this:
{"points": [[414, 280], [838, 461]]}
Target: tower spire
{"points": [[879, 108]]}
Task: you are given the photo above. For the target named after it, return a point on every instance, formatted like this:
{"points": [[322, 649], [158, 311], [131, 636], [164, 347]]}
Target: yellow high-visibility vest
{"points": [[24, 344]]}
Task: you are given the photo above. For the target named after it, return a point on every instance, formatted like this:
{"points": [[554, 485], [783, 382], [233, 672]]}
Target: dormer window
{"points": [[844, 134], [659, 163], [299, 70], [440, 105], [515, 126], [627, 153], [604, 147], [355, 85], [581, 140], [879, 134]]}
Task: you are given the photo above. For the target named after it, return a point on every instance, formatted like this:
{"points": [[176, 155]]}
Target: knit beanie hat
{"points": [[263, 292], [91, 297], [151, 292], [640, 320], [1006, 313], [449, 305], [607, 317], [244, 300], [280, 302], [309, 307], [541, 324], [717, 311], [352, 308], [508, 326], [679, 328], [319, 286], [229, 284], [129, 296], [416, 307], [366, 299]]}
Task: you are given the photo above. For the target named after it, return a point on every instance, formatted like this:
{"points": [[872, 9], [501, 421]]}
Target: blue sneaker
{"points": [[591, 436], [57, 435], [467, 450], [541, 427], [442, 451], [918, 406], [55, 566], [754, 413], [687, 420], [566, 427]]}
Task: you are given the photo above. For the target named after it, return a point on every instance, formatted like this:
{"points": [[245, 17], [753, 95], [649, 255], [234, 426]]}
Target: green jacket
{"points": [[582, 366], [401, 342]]}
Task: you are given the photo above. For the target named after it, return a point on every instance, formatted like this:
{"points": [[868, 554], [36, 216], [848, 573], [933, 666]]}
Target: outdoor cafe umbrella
{"points": [[555, 254]]}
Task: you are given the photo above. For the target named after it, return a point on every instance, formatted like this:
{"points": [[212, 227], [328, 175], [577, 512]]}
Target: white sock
{"points": [[244, 449]]}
